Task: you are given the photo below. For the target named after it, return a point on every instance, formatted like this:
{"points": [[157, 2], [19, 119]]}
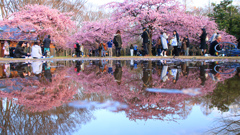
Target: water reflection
{"points": [[37, 92]]}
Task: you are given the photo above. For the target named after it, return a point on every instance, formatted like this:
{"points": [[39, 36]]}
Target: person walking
{"points": [[203, 41], [145, 41], [164, 38], [118, 42], [159, 46], [46, 44], [109, 43], [175, 40], [184, 46], [131, 50], [36, 51], [6, 49]]}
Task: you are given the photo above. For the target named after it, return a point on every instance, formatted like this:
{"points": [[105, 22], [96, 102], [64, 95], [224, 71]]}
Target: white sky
{"points": [[197, 3]]}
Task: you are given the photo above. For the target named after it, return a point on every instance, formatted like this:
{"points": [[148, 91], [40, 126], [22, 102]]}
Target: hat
{"points": [[144, 28]]}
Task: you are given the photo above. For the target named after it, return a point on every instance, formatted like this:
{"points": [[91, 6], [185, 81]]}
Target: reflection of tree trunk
{"points": [[150, 73]]}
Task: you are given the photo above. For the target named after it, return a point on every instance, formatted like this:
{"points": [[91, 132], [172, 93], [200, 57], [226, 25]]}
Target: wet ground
{"points": [[116, 97]]}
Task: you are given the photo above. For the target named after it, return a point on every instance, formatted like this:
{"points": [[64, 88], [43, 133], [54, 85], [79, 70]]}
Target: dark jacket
{"points": [[19, 52], [238, 46], [145, 37], [47, 42], [203, 40], [78, 47], [118, 73], [117, 41], [212, 47]]}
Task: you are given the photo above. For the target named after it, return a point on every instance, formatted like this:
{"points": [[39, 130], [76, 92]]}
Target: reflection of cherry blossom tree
{"points": [[15, 119]]}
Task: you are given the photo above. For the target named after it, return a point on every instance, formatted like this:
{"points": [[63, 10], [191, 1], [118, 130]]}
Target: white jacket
{"points": [[36, 51], [164, 38]]}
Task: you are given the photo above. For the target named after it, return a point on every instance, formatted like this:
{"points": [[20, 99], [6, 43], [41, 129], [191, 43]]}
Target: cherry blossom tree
{"points": [[131, 16], [39, 21]]}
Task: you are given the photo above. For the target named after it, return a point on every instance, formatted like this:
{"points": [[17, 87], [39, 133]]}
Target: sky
{"points": [[197, 3]]}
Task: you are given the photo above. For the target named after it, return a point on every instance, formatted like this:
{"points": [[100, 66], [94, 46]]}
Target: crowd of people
{"points": [[26, 50], [164, 45]]}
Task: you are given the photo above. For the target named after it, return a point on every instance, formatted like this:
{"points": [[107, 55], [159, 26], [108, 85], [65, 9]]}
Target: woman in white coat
{"points": [[164, 38], [36, 51]]}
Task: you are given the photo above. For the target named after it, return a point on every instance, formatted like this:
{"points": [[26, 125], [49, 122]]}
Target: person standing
{"points": [[135, 50], [131, 50], [82, 50], [6, 49], [186, 40], [77, 49], [164, 38], [118, 42], [175, 41], [109, 43], [159, 46], [145, 41], [203, 41], [212, 50], [36, 51], [46, 44]]}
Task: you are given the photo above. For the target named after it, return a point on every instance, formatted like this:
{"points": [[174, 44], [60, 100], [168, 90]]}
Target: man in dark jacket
{"points": [[46, 44], [145, 40], [77, 49], [19, 51], [212, 50]]}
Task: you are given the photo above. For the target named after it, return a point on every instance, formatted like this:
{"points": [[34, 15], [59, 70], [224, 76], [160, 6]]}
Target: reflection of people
{"points": [[110, 69], [164, 76], [37, 67], [213, 71], [36, 51], [212, 50], [147, 78], [19, 51], [203, 73], [47, 72], [78, 67], [118, 72]]}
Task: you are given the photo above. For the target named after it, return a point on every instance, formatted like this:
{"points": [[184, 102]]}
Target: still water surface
{"points": [[120, 97]]}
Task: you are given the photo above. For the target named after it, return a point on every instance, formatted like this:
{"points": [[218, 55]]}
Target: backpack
{"points": [[75, 46]]}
